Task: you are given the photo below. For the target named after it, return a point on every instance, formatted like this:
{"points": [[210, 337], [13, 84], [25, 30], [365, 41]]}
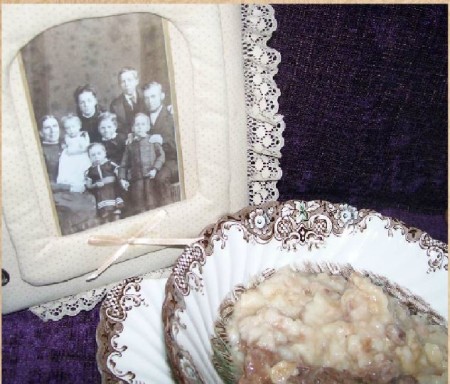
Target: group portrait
{"points": [[105, 116]]}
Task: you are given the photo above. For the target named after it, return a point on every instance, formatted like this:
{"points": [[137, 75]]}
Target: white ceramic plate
{"points": [[130, 334], [256, 239]]}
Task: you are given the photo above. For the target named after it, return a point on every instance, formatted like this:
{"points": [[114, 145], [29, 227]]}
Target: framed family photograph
{"points": [[102, 98], [119, 121]]}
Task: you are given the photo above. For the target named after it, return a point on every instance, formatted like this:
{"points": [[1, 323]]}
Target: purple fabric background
{"points": [[364, 98]]}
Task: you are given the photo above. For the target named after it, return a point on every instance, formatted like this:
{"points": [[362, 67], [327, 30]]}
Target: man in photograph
{"points": [[130, 101], [162, 131]]}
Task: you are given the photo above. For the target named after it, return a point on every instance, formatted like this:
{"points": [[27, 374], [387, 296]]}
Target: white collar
{"points": [[103, 162], [88, 117], [157, 111], [130, 98], [115, 135]]}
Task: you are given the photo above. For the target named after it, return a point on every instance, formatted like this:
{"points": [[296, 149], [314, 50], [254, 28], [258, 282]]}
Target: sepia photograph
{"points": [[104, 108]]}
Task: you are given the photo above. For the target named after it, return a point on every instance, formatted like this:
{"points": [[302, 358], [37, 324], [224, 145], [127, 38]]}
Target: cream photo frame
{"points": [[44, 265]]}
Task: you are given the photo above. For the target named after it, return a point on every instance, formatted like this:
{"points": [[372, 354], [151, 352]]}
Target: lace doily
{"points": [[265, 126], [85, 301]]}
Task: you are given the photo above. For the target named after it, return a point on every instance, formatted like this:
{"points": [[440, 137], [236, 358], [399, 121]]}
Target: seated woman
{"points": [[76, 210]]}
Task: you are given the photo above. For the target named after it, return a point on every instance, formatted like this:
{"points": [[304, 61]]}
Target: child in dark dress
{"points": [[101, 179], [114, 142]]}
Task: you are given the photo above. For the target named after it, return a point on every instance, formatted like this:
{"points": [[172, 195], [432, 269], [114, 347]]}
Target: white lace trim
{"points": [[265, 126], [85, 301]]}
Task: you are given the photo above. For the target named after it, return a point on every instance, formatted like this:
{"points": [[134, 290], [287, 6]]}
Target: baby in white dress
{"points": [[74, 160]]}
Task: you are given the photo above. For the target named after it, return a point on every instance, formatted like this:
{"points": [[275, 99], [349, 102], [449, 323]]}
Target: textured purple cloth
{"points": [[51, 352], [364, 97]]}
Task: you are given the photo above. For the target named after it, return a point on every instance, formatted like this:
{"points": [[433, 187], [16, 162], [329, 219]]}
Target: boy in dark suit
{"points": [[130, 102], [141, 163]]}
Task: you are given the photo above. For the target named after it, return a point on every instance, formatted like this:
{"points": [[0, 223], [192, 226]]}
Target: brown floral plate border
{"points": [[130, 334]]}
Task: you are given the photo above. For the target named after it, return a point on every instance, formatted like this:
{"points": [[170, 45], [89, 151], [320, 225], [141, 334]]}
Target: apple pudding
{"points": [[301, 327]]}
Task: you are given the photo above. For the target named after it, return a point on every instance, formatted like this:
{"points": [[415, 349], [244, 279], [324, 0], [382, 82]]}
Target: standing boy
{"points": [[141, 162], [130, 102]]}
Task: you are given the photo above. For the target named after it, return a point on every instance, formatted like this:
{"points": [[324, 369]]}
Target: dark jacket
{"points": [[139, 158], [115, 148], [165, 126], [125, 114]]}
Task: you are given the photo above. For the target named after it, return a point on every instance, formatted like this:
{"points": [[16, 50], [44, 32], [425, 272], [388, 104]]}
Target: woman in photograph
{"points": [[88, 111], [49, 133]]}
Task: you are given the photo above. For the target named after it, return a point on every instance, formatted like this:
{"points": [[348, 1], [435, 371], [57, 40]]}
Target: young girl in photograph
{"points": [[113, 141], [101, 180], [74, 160]]}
